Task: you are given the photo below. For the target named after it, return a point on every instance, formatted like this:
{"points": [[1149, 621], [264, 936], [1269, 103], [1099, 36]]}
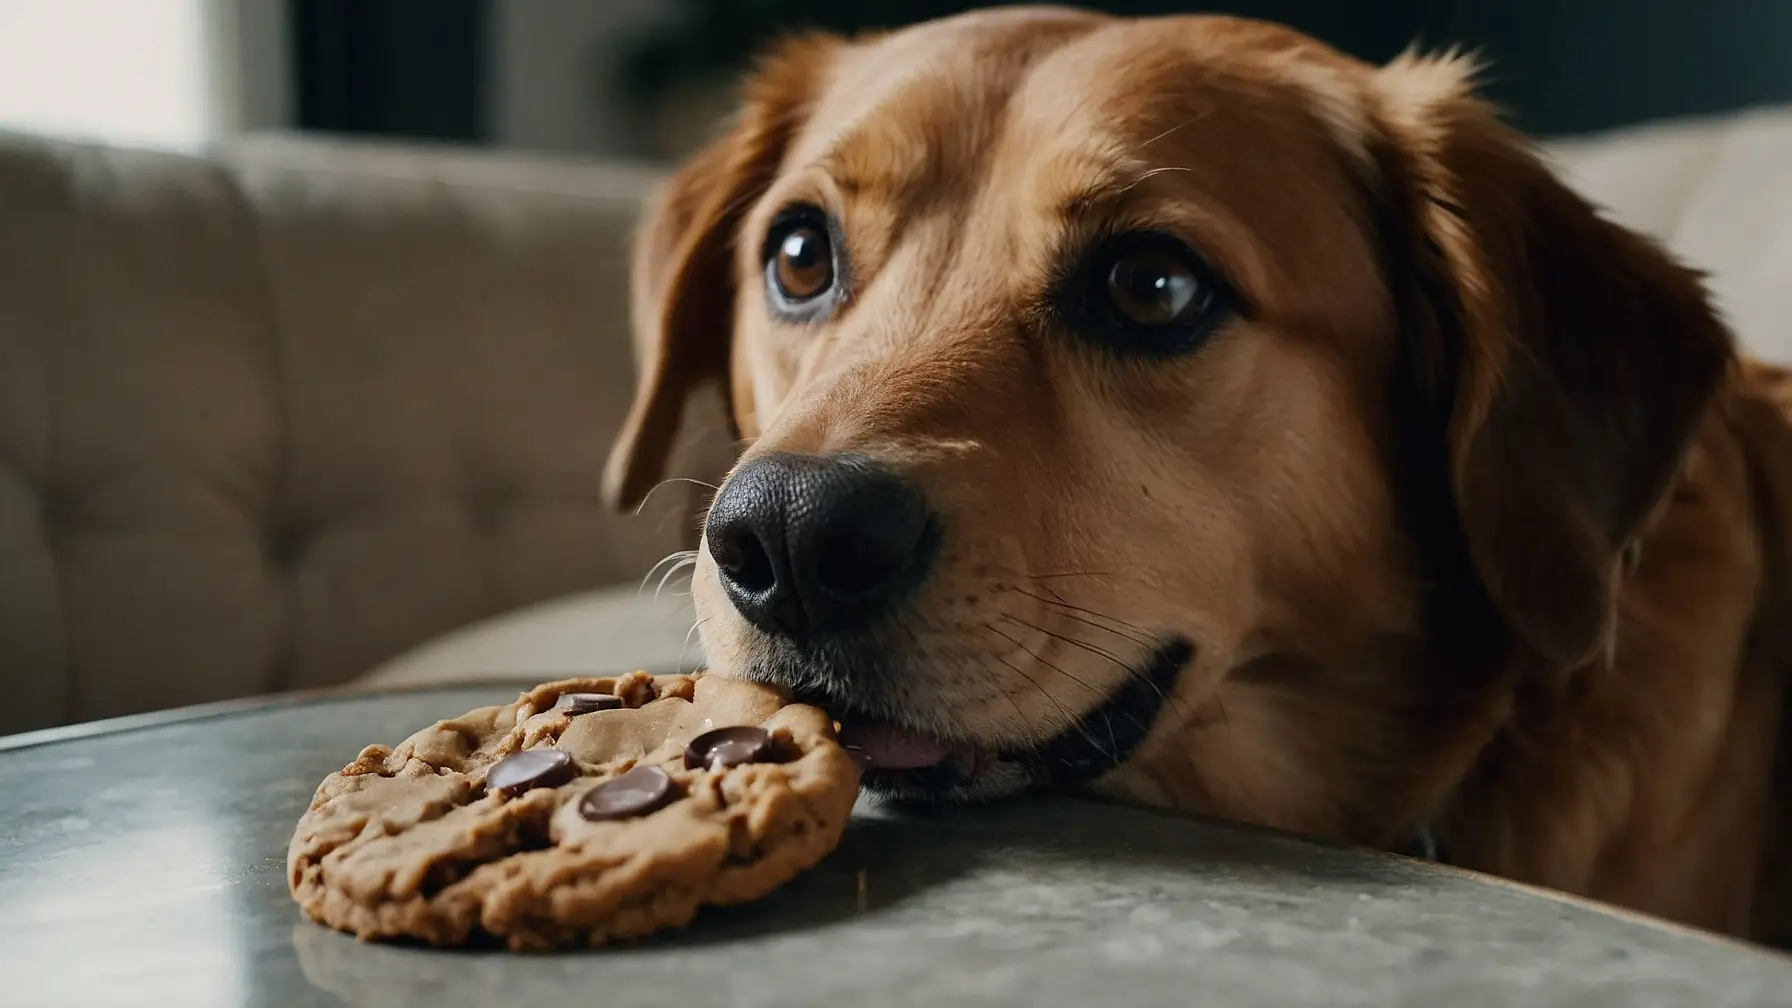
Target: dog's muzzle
{"points": [[818, 554]]}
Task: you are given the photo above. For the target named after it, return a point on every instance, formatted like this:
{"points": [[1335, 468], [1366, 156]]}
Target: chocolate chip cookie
{"points": [[587, 811]]}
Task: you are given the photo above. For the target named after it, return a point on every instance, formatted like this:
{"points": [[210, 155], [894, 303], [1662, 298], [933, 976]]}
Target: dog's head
{"points": [[1176, 407]]}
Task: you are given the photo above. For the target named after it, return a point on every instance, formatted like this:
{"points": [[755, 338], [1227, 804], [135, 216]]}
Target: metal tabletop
{"points": [[142, 863]]}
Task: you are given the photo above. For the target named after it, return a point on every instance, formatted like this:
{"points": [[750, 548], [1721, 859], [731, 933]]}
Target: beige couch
{"points": [[301, 411], [270, 418]]}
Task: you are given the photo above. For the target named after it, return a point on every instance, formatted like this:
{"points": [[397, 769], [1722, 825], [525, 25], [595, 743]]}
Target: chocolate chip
{"points": [[575, 704], [726, 747], [531, 768], [635, 793]]}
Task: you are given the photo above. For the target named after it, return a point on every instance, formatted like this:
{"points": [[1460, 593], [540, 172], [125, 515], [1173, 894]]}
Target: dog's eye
{"points": [[802, 266], [1147, 293], [1150, 288]]}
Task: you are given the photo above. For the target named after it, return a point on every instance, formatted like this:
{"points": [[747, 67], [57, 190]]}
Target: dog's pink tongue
{"points": [[883, 747]]}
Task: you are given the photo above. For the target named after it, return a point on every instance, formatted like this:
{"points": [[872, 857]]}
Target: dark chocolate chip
{"points": [[635, 793], [531, 768], [726, 747], [575, 704]]}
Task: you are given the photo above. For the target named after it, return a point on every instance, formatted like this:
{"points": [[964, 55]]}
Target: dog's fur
{"points": [[1471, 514]]}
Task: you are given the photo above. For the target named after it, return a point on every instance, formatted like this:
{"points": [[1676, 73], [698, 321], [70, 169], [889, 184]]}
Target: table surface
{"points": [[143, 863]]}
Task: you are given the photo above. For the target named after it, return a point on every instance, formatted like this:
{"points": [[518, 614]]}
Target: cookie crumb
{"points": [[636, 689]]}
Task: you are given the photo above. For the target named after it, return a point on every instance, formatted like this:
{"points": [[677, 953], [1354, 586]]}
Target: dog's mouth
{"points": [[913, 767]]}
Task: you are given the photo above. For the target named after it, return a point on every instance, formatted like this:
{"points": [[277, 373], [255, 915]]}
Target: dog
{"points": [[1182, 412]]}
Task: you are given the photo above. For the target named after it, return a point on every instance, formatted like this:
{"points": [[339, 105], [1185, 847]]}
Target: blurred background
{"points": [[647, 78]]}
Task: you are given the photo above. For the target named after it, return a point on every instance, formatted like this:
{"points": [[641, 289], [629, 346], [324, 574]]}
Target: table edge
{"points": [[263, 701]]}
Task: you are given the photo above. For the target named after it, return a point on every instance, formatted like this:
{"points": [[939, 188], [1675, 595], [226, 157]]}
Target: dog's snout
{"points": [[809, 546]]}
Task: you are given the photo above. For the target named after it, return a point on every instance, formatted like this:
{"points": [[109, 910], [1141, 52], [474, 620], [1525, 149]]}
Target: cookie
{"points": [[590, 810]]}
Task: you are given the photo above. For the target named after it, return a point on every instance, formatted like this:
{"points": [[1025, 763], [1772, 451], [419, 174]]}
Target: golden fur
{"points": [[1473, 518]]}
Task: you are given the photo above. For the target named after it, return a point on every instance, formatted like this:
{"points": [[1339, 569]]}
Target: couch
{"points": [[272, 416], [303, 412]]}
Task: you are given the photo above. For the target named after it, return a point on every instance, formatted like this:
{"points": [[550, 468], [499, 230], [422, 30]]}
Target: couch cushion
{"points": [[271, 417], [602, 632], [139, 437]]}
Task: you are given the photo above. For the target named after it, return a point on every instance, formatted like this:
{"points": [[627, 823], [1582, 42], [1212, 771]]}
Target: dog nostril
{"points": [[853, 565], [744, 560]]}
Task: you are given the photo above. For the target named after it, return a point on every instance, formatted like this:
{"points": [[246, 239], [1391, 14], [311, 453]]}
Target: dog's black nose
{"points": [[808, 546]]}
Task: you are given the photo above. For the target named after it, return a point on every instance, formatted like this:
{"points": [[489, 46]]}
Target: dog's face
{"points": [[1121, 398]]}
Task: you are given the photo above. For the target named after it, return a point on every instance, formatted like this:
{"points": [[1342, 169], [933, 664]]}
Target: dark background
{"points": [[418, 68]]}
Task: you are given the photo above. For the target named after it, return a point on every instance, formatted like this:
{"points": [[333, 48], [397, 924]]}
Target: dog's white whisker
{"points": [[692, 632], [675, 557], [669, 481], [672, 571]]}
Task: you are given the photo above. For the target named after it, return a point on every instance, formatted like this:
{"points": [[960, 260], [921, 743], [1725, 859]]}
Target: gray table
{"points": [[142, 863]]}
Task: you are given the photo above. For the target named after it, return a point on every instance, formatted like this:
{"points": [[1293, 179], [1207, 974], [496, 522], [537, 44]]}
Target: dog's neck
{"points": [[1640, 778], [1423, 843]]}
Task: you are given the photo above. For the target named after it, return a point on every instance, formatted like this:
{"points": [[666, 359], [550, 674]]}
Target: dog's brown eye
{"points": [[1152, 288], [806, 271], [803, 263], [1144, 294]]}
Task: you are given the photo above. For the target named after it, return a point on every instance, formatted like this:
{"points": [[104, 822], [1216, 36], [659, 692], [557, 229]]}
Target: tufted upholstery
{"points": [[271, 417]]}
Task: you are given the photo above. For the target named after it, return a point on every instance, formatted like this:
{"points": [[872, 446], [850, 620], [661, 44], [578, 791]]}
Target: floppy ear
{"points": [[682, 273], [1568, 360]]}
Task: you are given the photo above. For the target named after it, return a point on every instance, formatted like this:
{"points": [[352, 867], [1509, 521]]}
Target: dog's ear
{"points": [[681, 287], [1567, 360]]}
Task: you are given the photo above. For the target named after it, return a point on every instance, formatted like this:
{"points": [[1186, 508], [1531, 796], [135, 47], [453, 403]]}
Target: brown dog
{"points": [[1181, 410]]}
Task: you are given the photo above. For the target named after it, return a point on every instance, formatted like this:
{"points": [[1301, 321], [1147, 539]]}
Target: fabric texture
{"points": [[270, 417]]}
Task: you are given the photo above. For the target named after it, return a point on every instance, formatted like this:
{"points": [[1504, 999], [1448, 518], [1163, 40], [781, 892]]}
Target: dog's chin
{"points": [[907, 763]]}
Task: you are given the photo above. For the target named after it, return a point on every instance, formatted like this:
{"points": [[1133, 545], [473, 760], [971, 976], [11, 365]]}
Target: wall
{"points": [[1568, 66], [549, 86], [1562, 66], [252, 43], [158, 73], [137, 73]]}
